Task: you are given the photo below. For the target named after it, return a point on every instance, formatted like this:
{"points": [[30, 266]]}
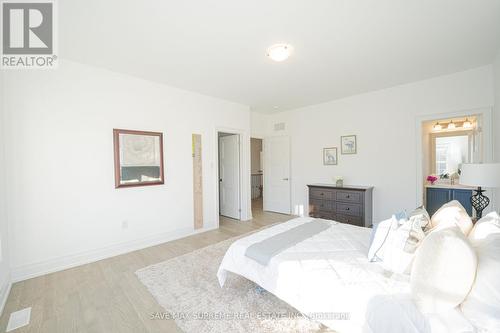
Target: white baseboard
{"points": [[4, 293], [64, 262]]}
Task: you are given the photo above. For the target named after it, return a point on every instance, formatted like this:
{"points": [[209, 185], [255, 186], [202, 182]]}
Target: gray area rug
{"points": [[187, 288]]}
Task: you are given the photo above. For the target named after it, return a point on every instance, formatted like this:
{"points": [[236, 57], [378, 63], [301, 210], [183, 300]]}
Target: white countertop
{"points": [[456, 186]]}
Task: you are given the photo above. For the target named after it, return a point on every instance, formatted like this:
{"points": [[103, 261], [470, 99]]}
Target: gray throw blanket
{"points": [[263, 251]]}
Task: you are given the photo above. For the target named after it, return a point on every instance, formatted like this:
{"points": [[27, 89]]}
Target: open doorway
{"points": [[447, 144], [256, 170], [229, 175]]}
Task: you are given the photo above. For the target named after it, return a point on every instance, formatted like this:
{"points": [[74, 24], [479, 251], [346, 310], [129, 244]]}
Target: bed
{"points": [[329, 278]]}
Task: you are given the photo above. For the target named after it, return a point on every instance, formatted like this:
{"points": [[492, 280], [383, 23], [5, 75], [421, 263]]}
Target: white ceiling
{"points": [[341, 48]]}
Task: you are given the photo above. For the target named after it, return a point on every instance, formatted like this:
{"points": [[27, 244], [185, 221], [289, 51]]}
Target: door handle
{"points": [[220, 180], [285, 179]]}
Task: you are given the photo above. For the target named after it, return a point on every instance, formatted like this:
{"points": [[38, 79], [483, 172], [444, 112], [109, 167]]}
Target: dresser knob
{"points": [[348, 196], [348, 208]]}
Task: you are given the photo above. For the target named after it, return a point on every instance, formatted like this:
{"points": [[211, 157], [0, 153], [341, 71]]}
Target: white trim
{"points": [[485, 112], [64, 262], [245, 178], [4, 293]]}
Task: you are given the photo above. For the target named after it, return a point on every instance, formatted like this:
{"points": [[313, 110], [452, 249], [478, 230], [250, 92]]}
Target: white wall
{"points": [[496, 120], [496, 127], [385, 124], [258, 124], [4, 239], [63, 207]]}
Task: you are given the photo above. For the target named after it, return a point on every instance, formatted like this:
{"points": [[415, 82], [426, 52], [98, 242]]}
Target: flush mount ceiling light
{"points": [[279, 52]]}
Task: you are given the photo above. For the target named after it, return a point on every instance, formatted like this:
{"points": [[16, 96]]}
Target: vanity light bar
{"points": [[467, 124]]}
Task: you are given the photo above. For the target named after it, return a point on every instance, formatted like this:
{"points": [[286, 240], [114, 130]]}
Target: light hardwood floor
{"points": [[106, 296]]}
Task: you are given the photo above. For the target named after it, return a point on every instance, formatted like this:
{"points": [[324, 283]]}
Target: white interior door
{"points": [[229, 176], [277, 174]]}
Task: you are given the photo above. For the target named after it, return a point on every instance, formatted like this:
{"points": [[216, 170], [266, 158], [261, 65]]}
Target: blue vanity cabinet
{"points": [[436, 197]]}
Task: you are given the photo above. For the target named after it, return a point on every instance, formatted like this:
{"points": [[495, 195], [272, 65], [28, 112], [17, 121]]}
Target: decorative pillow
{"points": [[443, 270], [422, 216], [394, 241], [380, 232], [482, 305], [452, 213], [401, 244]]}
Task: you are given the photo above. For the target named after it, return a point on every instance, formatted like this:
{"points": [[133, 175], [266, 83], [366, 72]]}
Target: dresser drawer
{"points": [[354, 220], [322, 215], [322, 204], [326, 215], [349, 209], [349, 196], [320, 193]]}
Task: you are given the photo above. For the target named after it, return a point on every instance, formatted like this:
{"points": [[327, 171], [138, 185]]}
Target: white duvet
{"points": [[329, 278]]}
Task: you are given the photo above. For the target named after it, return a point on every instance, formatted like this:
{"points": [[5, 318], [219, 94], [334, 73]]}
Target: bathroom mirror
{"points": [[450, 150]]}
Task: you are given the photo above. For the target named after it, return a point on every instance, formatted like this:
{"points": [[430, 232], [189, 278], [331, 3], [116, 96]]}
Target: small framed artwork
{"points": [[330, 156], [348, 144], [138, 158]]}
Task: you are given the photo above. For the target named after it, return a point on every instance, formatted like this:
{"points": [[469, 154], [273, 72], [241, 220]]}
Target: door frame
{"points": [[290, 177], [245, 187], [485, 113]]}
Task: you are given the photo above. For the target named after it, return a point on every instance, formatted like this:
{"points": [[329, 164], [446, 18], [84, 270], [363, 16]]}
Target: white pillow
{"points": [[380, 234], [443, 270], [449, 214], [482, 305], [486, 226], [402, 243], [394, 242]]}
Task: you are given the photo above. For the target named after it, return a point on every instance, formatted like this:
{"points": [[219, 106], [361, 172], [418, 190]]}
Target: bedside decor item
{"points": [[339, 181], [330, 156], [138, 158], [348, 144], [432, 179], [480, 175]]}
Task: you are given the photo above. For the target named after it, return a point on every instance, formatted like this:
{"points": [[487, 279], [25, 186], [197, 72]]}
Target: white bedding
{"points": [[330, 274]]}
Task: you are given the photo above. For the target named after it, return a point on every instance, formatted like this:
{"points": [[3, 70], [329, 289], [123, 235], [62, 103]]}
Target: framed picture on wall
{"points": [[330, 156], [348, 144], [138, 158]]}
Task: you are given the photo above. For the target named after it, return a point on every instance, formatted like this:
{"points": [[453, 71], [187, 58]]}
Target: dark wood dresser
{"points": [[347, 204]]}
